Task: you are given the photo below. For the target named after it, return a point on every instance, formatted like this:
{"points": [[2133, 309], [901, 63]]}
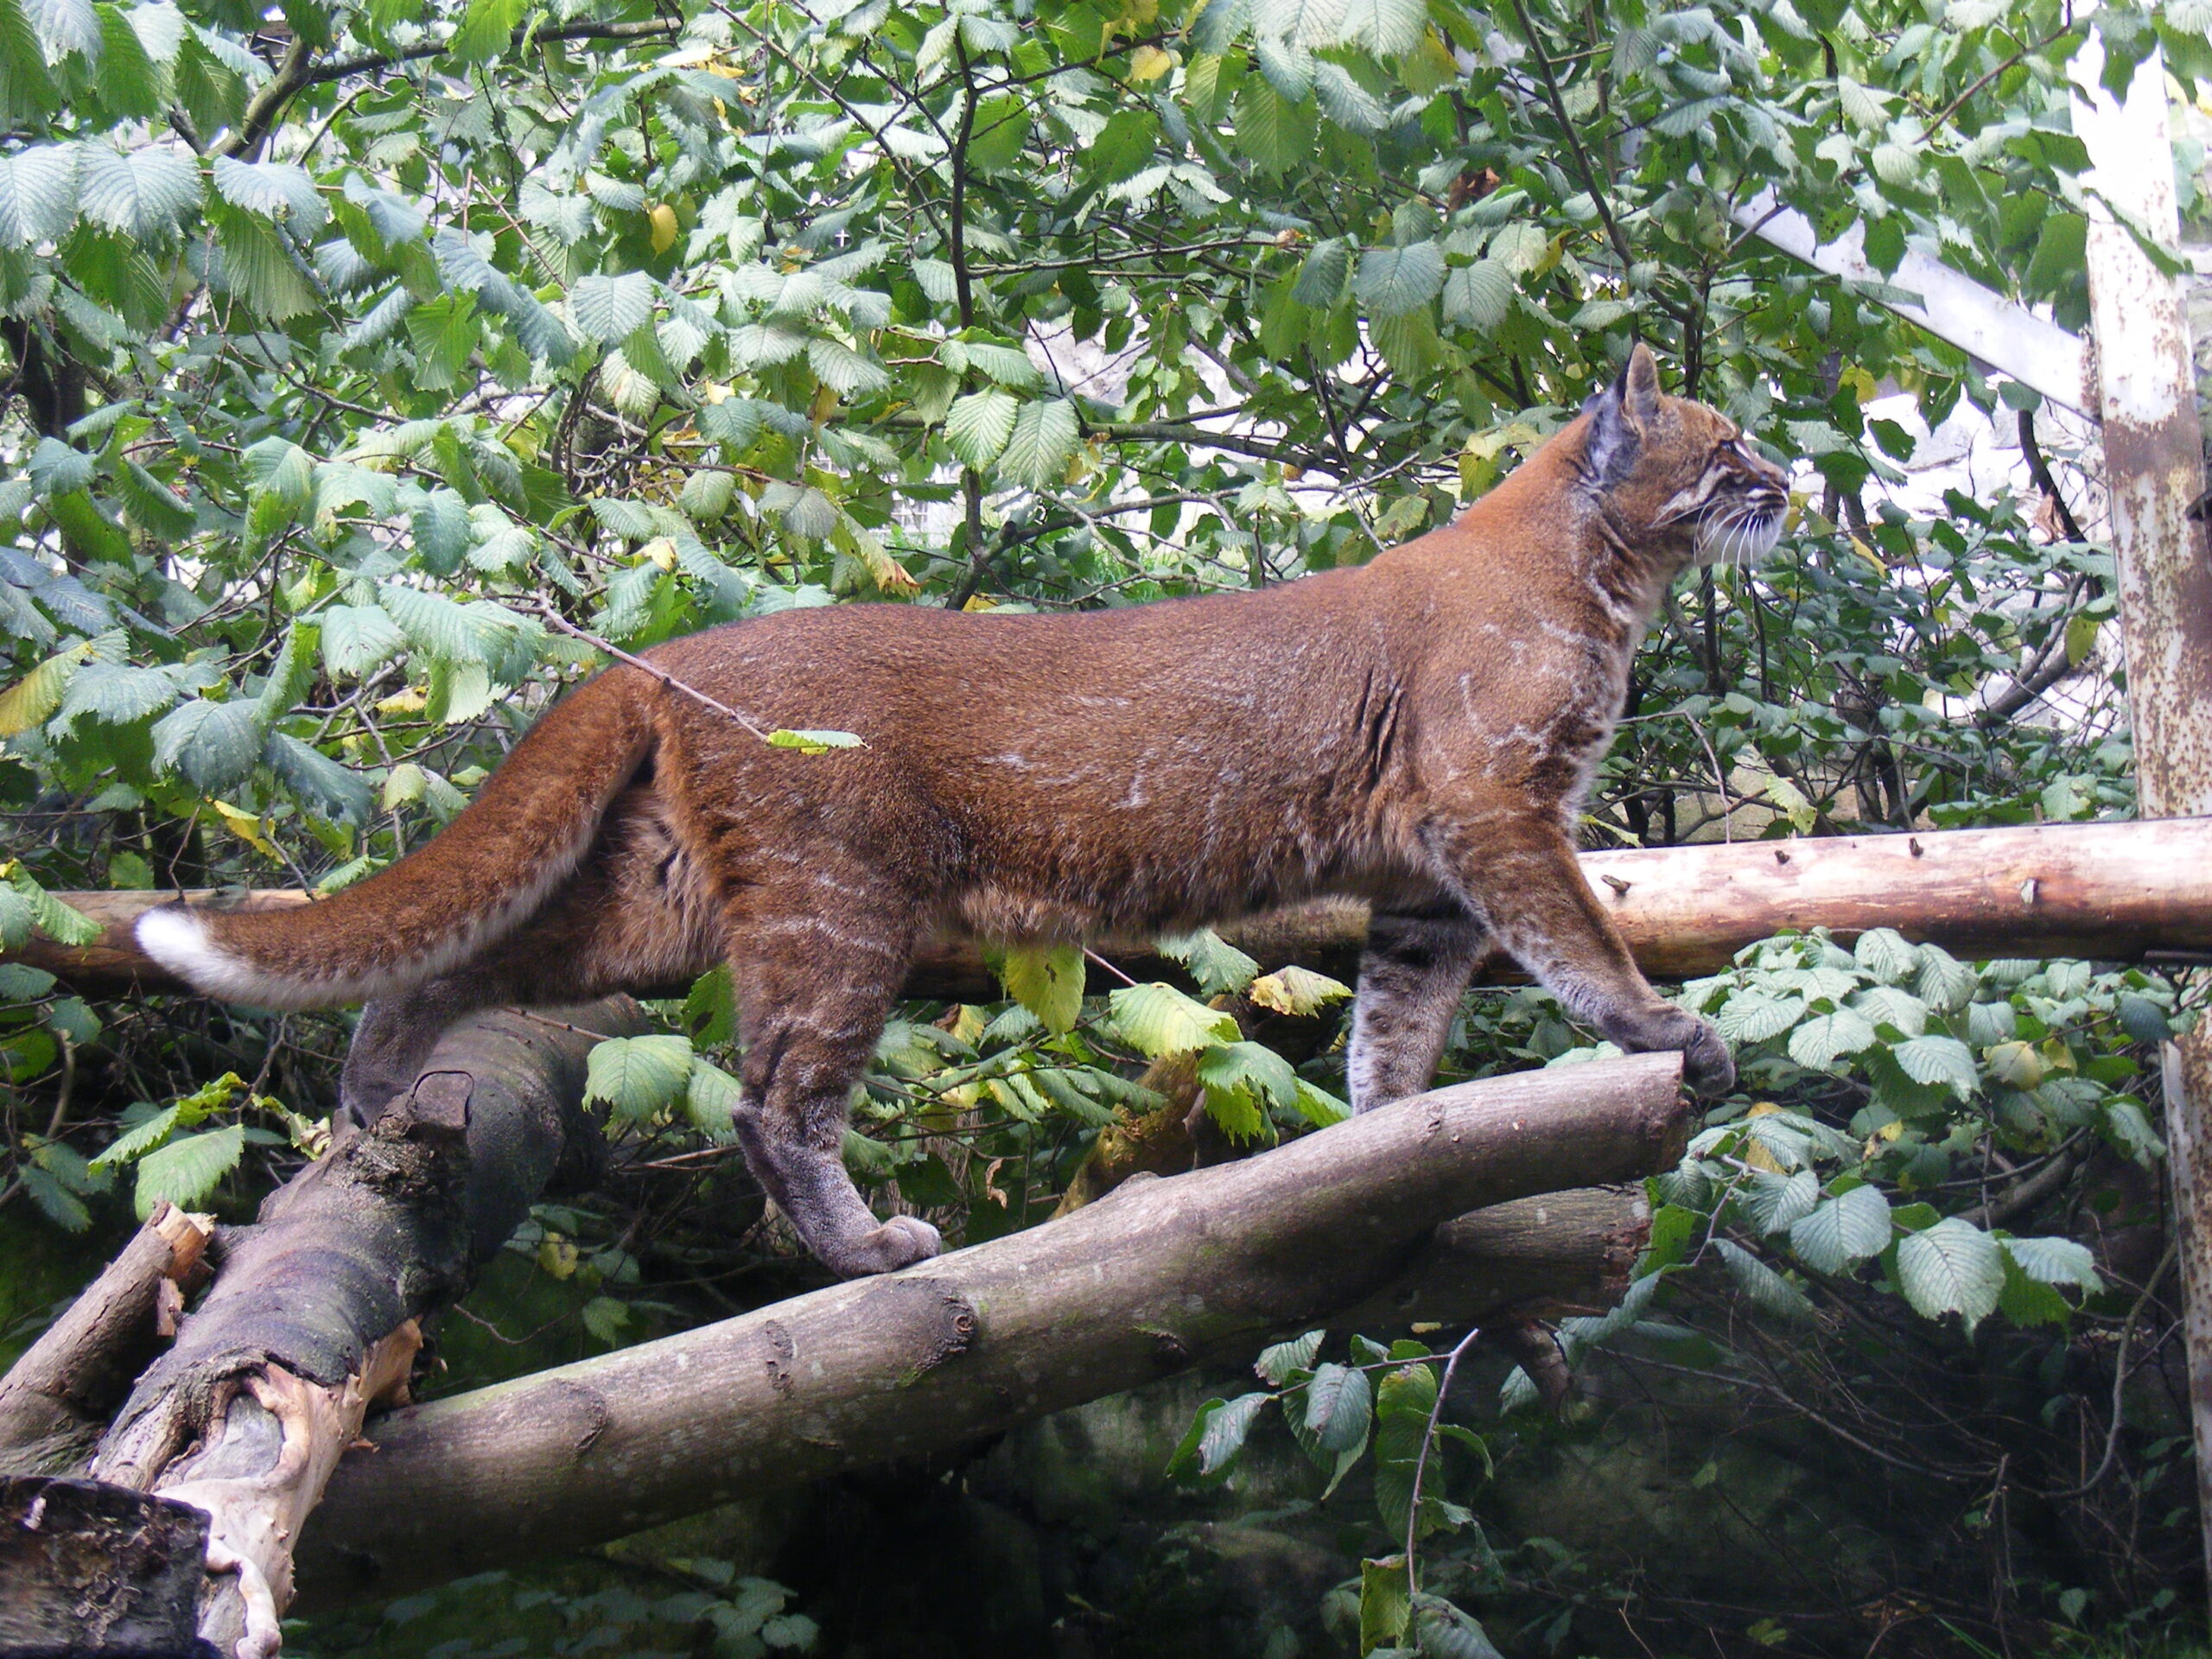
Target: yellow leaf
{"points": [[1870, 556], [660, 552], [1756, 1154], [246, 827], [412, 701], [38, 693], [557, 1256], [662, 219], [1149, 63], [1296, 991], [979, 603]]}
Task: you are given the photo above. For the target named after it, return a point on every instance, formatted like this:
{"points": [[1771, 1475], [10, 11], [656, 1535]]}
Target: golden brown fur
{"points": [[1419, 733]]}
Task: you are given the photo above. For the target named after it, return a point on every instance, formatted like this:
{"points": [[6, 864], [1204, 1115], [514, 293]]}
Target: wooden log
{"points": [[56, 1398], [2109, 892], [312, 1316], [1164, 1273]]}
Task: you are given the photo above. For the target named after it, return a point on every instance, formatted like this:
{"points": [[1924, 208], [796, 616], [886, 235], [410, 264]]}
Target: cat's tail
{"points": [[479, 880]]}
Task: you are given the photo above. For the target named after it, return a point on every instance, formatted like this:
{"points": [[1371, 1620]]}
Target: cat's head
{"points": [[1678, 476]]}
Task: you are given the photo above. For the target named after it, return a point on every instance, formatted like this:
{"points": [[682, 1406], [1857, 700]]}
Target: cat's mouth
{"points": [[1741, 533]]}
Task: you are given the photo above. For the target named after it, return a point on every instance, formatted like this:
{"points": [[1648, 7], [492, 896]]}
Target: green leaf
{"points": [[1277, 1362], [1385, 1603], [979, 425], [1821, 1041], [139, 1140], [1951, 1267], [357, 640], [1240, 1079], [1776, 1203], [638, 1077], [1389, 29], [1339, 1406], [65, 27], [2143, 1020], [1940, 1060], [1158, 1019], [1218, 966], [1000, 133], [1273, 132], [610, 309], [1224, 1428], [1048, 980], [1321, 274], [1944, 982], [818, 742], [486, 27], [32, 699], [1441, 1631], [1749, 1017], [213, 744], [2055, 1262], [1887, 954], [38, 194], [186, 1171], [144, 195], [1843, 1229], [1393, 281], [333, 791], [1479, 296], [1767, 1291], [1297, 991], [843, 370], [710, 1098], [1037, 447], [1312, 23], [114, 694], [274, 190]]}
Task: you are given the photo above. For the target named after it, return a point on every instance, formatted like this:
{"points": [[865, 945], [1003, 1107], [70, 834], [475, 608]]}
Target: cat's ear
{"points": [[1618, 416]]}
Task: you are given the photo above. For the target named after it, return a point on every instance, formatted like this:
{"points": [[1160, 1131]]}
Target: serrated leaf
{"points": [[1297, 991], [357, 640], [1893, 1005], [2143, 1020], [1944, 982], [65, 27], [2055, 1262], [1042, 439], [610, 309], [213, 744], [710, 1098], [1340, 1405], [186, 1170], [1952, 1267], [1767, 1291], [114, 694], [1275, 133], [1817, 1043], [1158, 1019], [1389, 29], [1393, 281], [1048, 980], [1776, 1203], [38, 194], [144, 194], [843, 370], [1887, 954], [1321, 275], [1225, 1428], [1312, 23], [978, 426], [638, 1077], [1480, 295], [1840, 1231], [1748, 1017], [1277, 1360], [1218, 966], [272, 189], [1940, 1060], [334, 791], [38, 693]]}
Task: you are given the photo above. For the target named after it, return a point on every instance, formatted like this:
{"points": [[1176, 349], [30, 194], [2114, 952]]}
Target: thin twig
{"points": [[1421, 1459]]}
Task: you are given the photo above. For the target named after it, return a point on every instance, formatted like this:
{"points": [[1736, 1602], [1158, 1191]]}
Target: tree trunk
{"points": [[312, 1317], [2112, 892], [1163, 1274]]}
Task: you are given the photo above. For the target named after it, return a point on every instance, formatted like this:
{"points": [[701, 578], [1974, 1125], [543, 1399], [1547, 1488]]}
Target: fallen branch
{"points": [[55, 1401], [1160, 1275], [314, 1315], [2109, 892]]}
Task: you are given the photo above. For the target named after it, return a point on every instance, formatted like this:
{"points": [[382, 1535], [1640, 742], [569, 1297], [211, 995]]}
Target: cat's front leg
{"points": [[1411, 973], [1524, 879]]}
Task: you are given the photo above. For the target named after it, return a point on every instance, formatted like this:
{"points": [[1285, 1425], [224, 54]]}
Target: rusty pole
{"points": [[2154, 460]]}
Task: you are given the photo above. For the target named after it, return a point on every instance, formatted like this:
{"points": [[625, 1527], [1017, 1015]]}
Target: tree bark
{"points": [[55, 1401], [313, 1315], [1165, 1273], [2111, 891]]}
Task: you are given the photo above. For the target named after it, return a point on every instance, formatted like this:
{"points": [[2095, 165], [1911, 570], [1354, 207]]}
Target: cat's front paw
{"points": [[1707, 1066], [901, 1242]]}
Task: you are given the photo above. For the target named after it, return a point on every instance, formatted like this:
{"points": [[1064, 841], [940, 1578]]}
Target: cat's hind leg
{"points": [[815, 983], [1411, 973]]}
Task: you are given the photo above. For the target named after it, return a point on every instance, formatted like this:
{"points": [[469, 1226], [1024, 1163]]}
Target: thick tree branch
{"points": [[2110, 891], [1164, 1273]]}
